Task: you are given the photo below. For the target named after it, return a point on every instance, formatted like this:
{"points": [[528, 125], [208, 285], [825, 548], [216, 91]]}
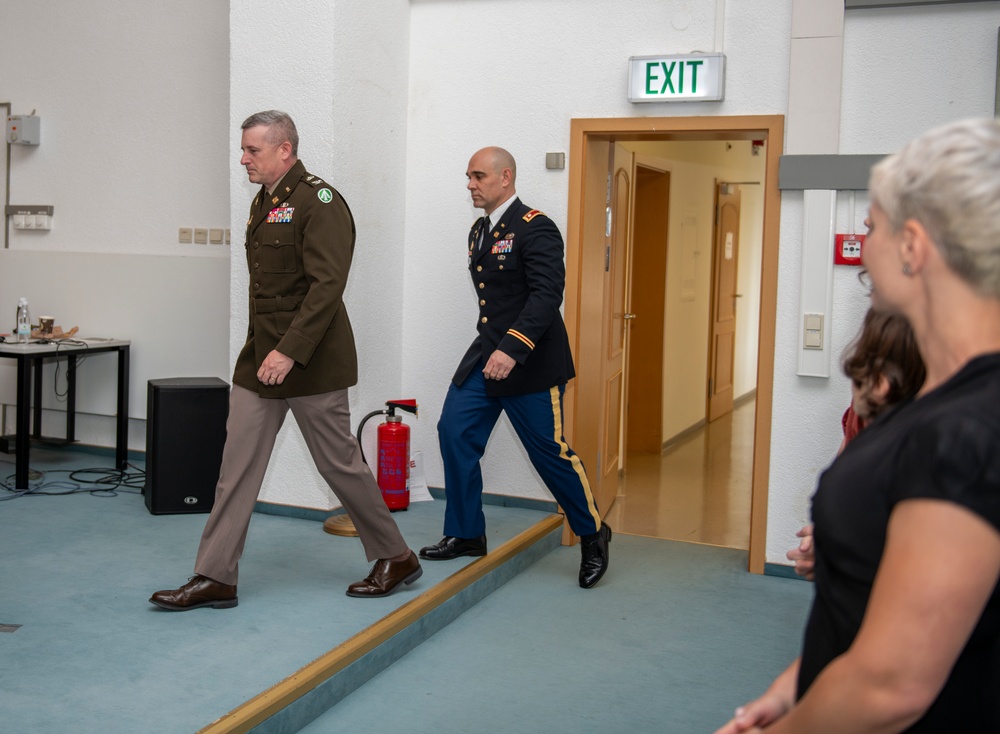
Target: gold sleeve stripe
{"points": [[522, 337]]}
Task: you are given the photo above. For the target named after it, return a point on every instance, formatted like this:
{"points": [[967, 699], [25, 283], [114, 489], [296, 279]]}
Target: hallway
{"points": [[697, 491]]}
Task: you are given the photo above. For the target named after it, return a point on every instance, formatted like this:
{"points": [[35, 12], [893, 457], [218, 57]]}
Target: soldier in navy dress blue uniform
{"points": [[519, 363]]}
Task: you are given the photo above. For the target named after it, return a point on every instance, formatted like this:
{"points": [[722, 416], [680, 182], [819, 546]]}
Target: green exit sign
{"points": [[677, 78]]}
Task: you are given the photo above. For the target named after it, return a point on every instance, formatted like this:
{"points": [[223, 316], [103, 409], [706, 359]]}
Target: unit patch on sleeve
{"points": [[280, 215], [325, 195]]}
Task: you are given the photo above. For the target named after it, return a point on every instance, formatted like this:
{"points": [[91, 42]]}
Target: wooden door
{"points": [[596, 308], [647, 291], [615, 320], [722, 343]]}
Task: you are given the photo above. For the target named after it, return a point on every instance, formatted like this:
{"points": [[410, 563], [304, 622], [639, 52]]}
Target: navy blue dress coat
{"points": [[519, 276]]}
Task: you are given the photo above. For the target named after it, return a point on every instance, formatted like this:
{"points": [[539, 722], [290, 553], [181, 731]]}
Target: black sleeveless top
{"points": [[945, 445]]}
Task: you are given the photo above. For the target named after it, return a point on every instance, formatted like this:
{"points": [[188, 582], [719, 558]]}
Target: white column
{"points": [[813, 127]]}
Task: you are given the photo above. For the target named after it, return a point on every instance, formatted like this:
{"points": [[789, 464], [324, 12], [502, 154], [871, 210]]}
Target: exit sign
{"points": [[677, 78]]}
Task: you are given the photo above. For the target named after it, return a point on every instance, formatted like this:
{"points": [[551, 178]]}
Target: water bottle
{"points": [[23, 322]]}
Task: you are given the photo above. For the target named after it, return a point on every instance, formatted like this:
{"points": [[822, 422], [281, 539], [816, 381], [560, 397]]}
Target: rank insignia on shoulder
{"points": [[532, 214]]}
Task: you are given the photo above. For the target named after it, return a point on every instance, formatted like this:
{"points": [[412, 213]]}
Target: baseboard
{"points": [[438, 493], [80, 448], [782, 571]]}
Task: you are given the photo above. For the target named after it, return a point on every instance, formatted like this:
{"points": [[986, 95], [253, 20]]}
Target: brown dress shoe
{"points": [[385, 576], [199, 591]]}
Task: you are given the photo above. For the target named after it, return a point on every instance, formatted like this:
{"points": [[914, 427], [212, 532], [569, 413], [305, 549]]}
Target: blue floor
{"points": [[672, 639]]}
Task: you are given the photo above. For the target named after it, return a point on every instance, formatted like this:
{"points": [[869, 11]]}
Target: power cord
{"points": [[108, 483], [79, 361]]}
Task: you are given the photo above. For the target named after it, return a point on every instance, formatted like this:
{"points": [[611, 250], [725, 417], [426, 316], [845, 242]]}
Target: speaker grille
{"points": [[185, 436]]}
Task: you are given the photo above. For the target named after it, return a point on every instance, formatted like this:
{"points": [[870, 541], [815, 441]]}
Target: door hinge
{"points": [[709, 387], [607, 258]]}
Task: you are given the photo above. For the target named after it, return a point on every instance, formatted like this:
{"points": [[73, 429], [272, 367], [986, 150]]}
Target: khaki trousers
{"points": [[252, 428]]}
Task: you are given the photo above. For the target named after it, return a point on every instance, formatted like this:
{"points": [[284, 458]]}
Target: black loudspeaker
{"points": [[185, 434]]}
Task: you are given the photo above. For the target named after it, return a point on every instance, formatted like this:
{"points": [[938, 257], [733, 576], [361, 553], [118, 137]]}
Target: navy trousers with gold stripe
{"points": [[467, 421]]}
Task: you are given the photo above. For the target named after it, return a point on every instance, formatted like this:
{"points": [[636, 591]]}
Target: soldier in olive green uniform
{"points": [[299, 355]]}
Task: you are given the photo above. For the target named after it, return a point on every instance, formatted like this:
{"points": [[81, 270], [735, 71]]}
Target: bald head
{"points": [[491, 175]]}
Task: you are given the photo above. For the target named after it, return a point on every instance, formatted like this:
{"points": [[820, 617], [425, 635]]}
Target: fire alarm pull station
{"points": [[847, 249]]}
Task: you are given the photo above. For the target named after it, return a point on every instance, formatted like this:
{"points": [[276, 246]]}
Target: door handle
{"points": [[628, 316]]}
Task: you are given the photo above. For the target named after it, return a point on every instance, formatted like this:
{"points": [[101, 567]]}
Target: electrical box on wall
{"points": [[847, 249], [23, 129], [30, 216]]}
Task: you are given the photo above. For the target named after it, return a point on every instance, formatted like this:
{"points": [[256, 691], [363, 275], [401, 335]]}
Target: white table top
{"points": [[60, 346]]}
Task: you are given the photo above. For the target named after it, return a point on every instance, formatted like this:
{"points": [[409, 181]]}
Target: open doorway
{"points": [[592, 306]]}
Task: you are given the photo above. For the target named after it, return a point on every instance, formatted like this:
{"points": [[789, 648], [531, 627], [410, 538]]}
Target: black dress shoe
{"points": [[594, 556], [385, 576], [199, 591], [450, 547]]}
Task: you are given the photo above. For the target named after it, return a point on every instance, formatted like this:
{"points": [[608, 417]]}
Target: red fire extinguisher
{"points": [[393, 474]]}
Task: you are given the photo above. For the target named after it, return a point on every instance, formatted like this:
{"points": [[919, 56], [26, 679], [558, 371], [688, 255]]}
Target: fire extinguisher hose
{"points": [[361, 425]]}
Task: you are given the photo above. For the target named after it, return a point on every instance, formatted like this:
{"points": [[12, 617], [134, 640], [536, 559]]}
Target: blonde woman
{"points": [[904, 633]]}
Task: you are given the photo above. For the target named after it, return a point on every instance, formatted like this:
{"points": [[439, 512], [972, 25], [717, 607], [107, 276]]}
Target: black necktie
{"points": [[485, 231]]}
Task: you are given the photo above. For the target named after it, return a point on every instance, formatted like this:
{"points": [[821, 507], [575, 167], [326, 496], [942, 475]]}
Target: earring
{"points": [[906, 269]]}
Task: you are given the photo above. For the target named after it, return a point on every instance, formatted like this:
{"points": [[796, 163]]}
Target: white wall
{"points": [[340, 70], [133, 107], [174, 347]]}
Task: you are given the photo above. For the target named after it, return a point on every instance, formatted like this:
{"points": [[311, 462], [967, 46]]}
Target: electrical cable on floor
{"points": [[110, 483]]}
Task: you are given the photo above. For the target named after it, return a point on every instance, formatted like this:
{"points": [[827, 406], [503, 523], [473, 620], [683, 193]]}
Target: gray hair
{"points": [[279, 128], [948, 179]]}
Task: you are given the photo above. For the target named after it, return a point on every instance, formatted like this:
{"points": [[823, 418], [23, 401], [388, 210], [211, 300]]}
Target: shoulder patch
{"points": [[325, 195], [532, 214]]}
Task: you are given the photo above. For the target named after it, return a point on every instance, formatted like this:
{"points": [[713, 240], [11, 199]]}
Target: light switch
{"points": [[184, 235], [813, 333], [215, 236], [42, 221], [200, 236], [227, 236]]}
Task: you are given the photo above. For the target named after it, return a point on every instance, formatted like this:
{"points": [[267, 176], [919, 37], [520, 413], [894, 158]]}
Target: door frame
{"points": [[581, 422]]}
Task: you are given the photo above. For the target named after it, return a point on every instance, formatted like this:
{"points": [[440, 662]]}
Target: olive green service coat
{"points": [[299, 247]]}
